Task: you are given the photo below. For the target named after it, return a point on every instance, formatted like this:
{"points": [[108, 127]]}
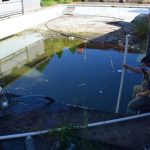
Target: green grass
{"points": [[45, 3], [53, 2]]}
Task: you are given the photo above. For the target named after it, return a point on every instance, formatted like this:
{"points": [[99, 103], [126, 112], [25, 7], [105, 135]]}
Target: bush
{"points": [[52, 2], [48, 2], [141, 26]]}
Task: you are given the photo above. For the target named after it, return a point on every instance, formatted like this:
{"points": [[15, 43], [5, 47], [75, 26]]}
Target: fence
{"points": [[14, 7], [9, 8]]}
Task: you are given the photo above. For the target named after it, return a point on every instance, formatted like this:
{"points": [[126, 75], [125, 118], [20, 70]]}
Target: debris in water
{"points": [[19, 88], [71, 37], [100, 91], [119, 70], [82, 84], [85, 40]]}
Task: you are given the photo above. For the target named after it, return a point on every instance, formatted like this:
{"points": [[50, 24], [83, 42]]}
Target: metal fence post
{"points": [[22, 4]]}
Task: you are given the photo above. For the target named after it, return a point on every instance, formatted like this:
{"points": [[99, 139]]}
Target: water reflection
{"points": [[68, 78], [17, 58]]}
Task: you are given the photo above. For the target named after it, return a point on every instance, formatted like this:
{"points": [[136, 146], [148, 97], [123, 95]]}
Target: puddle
{"points": [[68, 77]]}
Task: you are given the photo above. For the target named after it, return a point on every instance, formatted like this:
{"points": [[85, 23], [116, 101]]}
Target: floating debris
{"points": [[71, 37], [119, 70], [19, 88], [100, 91], [82, 84], [85, 40]]}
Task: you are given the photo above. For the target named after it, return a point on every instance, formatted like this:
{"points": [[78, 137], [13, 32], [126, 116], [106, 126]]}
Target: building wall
{"points": [[12, 7], [30, 5]]}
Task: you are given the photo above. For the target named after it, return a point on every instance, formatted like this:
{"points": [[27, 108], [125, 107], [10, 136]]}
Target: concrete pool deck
{"points": [[16, 24]]}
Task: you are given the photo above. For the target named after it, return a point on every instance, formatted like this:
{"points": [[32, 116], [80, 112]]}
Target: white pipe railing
{"points": [[118, 120], [122, 75], [107, 122], [21, 135]]}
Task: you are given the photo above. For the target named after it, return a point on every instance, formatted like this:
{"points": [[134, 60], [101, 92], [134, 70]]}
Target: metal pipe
{"points": [[122, 75], [21, 135], [118, 120]]}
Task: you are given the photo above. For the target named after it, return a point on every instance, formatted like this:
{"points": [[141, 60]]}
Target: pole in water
{"points": [[111, 62], [85, 41], [122, 75]]}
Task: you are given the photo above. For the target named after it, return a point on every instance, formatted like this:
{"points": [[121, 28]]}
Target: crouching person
{"points": [[140, 103], [141, 93]]}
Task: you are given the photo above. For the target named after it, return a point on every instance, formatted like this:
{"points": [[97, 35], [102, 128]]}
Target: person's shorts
{"points": [[139, 104]]}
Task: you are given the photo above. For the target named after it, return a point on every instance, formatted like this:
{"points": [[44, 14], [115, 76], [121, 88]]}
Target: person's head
{"points": [[146, 61]]}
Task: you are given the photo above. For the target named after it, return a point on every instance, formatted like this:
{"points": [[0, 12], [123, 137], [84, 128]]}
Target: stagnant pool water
{"points": [[85, 77]]}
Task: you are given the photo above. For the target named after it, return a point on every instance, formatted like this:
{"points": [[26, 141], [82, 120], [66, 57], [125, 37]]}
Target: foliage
{"points": [[141, 26], [54, 46], [77, 138], [48, 2], [52, 2], [63, 136]]}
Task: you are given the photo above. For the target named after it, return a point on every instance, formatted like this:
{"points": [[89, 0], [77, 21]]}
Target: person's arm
{"points": [[133, 69], [145, 93]]}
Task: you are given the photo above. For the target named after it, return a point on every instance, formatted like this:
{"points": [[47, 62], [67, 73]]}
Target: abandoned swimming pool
{"points": [[81, 76]]}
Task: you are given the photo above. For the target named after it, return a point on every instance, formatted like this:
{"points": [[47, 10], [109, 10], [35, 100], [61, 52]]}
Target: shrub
{"points": [[52, 2], [141, 26]]}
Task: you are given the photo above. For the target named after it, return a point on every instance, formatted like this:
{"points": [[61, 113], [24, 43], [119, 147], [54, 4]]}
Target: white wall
{"points": [[10, 7], [30, 5], [20, 23]]}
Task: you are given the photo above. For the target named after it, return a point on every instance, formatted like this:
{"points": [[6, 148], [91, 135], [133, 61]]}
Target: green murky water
{"points": [[77, 75]]}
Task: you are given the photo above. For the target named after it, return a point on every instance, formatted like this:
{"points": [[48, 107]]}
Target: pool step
{"points": [[19, 50], [68, 11]]}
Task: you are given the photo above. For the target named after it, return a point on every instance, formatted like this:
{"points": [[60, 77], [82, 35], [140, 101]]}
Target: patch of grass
{"points": [[45, 3], [53, 2]]}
